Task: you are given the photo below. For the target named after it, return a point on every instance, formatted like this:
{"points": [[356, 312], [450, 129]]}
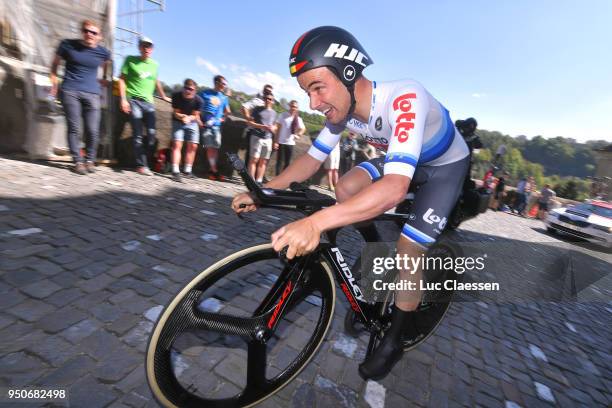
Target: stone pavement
{"points": [[86, 262]]}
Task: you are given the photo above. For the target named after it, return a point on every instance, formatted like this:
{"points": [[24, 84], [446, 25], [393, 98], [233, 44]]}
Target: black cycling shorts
{"points": [[436, 191]]}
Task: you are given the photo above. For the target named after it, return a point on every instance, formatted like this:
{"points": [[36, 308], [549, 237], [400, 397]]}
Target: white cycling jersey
{"points": [[406, 122]]}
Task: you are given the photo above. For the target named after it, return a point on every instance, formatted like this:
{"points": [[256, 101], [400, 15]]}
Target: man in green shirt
{"points": [[136, 86]]}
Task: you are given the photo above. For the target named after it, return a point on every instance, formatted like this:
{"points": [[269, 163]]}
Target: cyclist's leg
{"points": [[439, 189], [358, 178]]}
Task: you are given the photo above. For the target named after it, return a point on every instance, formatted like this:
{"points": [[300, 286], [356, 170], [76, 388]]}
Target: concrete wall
{"points": [[38, 25]]}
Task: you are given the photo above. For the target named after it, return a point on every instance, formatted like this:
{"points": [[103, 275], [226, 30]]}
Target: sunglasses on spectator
{"points": [[188, 88], [88, 31], [269, 99]]}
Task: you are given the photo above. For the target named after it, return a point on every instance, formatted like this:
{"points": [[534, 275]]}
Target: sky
{"points": [[522, 68]]}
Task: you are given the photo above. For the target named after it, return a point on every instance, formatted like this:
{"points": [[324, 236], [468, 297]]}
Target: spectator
{"points": [[256, 102], [247, 107], [544, 201], [499, 194], [365, 152], [261, 133], [467, 128], [521, 198], [332, 164], [348, 150], [488, 180], [80, 91], [137, 83], [216, 106], [290, 128], [186, 107]]}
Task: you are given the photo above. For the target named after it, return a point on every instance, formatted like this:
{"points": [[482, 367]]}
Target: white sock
{"points": [[175, 168], [213, 162], [260, 180], [188, 168]]}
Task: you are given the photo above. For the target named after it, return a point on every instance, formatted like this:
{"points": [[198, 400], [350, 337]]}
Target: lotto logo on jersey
{"points": [[404, 122], [339, 51]]}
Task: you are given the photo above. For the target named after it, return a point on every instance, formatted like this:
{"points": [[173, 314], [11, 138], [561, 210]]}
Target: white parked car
{"points": [[591, 220]]}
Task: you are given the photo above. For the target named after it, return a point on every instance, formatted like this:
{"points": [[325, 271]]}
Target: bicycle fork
{"points": [[279, 297]]}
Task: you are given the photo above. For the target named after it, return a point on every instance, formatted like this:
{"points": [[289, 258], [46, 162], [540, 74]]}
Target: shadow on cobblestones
{"points": [[85, 263]]}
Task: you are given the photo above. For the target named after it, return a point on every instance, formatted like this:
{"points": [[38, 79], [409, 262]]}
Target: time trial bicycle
{"points": [[246, 326]]}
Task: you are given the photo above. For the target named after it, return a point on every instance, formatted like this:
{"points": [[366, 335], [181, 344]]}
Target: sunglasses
{"points": [[189, 89], [92, 32], [269, 99]]}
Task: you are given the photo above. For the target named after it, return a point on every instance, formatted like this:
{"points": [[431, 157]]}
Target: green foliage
{"points": [[234, 106], [558, 155], [570, 187]]}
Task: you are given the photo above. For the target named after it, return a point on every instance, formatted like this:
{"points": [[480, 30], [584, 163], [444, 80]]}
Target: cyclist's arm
{"points": [[299, 170], [370, 202]]}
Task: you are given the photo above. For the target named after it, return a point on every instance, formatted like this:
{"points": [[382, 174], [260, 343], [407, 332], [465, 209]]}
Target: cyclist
{"points": [[423, 148]]}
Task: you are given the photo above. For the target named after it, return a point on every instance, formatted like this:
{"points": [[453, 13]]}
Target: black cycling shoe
{"points": [[382, 360], [390, 349]]}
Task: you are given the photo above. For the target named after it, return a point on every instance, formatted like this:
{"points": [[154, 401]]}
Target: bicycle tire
{"points": [[162, 381], [428, 316], [428, 319]]}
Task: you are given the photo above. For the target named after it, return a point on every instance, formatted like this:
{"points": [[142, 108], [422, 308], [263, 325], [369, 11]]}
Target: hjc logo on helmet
{"points": [[339, 51]]}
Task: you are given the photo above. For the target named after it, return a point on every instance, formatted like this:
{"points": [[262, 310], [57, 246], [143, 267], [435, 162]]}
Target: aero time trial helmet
{"points": [[331, 47]]}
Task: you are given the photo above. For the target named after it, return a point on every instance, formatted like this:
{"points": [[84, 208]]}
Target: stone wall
{"points": [[233, 141]]}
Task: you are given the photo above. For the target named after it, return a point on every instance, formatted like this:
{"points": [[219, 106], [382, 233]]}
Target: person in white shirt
{"points": [[290, 128]]}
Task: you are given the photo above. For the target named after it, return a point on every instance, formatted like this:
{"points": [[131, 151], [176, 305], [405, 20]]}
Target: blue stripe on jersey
{"points": [[322, 147], [416, 235], [401, 158], [371, 169], [441, 141]]}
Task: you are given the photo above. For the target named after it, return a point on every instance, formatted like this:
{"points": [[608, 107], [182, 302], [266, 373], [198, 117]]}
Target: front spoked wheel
{"points": [[240, 331]]}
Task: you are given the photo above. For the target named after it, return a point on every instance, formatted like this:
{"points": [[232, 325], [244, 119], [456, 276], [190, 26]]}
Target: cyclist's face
{"points": [[327, 94]]}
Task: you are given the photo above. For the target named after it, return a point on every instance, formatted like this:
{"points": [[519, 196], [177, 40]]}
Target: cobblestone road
{"points": [[87, 261]]}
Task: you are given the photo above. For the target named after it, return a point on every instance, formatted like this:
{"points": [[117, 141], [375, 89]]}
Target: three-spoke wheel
{"points": [[240, 330]]}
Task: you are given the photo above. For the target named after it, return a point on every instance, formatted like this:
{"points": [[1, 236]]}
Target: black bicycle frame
{"points": [[350, 288]]}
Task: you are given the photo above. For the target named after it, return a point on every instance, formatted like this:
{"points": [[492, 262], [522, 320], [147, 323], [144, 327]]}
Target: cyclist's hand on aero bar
{"points": [[301, 237], [242, 203]]}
